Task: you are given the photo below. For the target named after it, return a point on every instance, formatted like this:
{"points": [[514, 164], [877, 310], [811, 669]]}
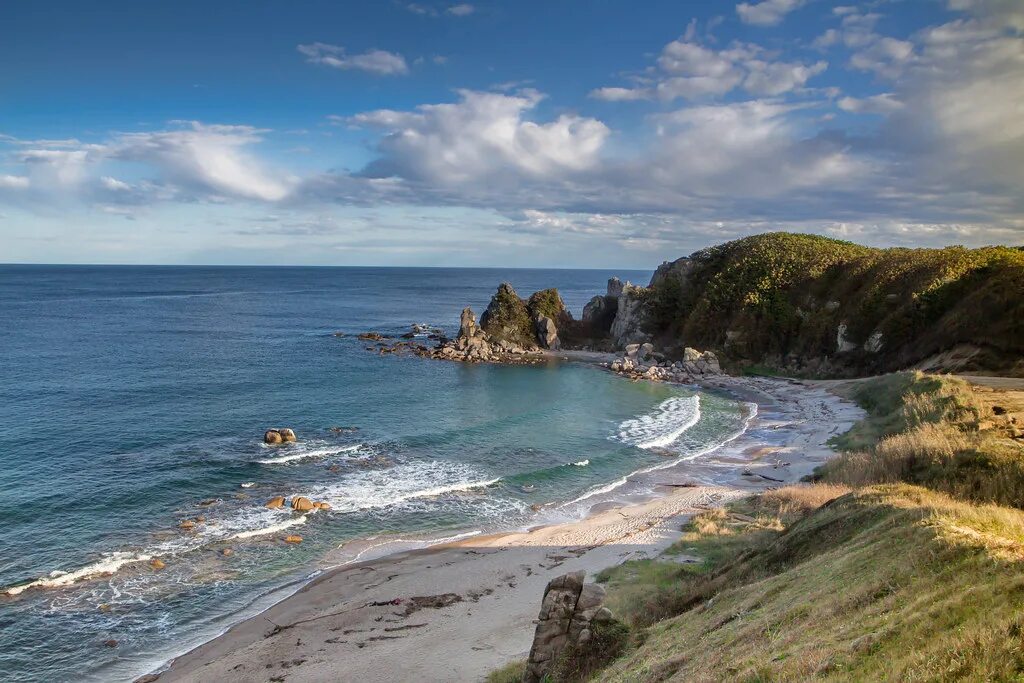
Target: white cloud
{"points": [[14, 182], [687, 69], [378, 62], [461, 10], [884, 103], [483, 134], [766, 13], [114, 184]]}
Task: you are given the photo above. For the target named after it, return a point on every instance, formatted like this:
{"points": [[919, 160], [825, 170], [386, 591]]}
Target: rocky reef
{"points": [[641, 361]]}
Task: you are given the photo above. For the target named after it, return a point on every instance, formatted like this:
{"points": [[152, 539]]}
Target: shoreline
{"points": [[442, 597]]}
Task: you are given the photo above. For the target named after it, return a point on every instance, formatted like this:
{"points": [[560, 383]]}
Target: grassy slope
{"points": [[887, 582], [784, 295]]}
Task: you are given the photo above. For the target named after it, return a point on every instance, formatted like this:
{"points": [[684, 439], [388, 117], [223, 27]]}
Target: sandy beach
{"points": [[457, 611]]}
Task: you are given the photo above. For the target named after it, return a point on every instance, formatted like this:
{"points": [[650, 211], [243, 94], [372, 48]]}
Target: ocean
{"points": [[135, 398]]}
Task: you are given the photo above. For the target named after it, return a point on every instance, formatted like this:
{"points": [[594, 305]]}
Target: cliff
{"points": [[814, 306]]}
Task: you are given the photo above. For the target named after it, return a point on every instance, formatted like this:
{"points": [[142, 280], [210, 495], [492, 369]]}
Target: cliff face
{"points": [[817, 306]]}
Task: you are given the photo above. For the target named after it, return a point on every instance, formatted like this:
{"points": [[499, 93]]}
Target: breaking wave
{"points": [[664, 425]]}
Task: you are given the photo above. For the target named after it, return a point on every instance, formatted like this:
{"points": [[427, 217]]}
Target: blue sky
{"points": [[575, 134]]}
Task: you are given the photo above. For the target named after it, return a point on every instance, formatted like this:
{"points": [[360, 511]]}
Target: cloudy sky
{"points": [[602, 133]]}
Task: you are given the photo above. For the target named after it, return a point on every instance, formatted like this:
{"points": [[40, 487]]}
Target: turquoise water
{"points": [[137, 397]]}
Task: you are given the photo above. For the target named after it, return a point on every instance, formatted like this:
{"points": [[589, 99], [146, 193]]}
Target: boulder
{"points": [[187, 524], [645, 350], [293, 539], [276, 502], [632, 350], [273, 437], [157, 563], [322, 505], [467, 323], [547, 332], [843, 343], [615, 287], [227, 552], [568, 610], [287, 435], [302, 504]]}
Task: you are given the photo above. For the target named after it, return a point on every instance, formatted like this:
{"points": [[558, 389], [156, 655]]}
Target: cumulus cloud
{"points": [[483, 134], [766, 13], [13, 182], [378, 62], [688, 69]]}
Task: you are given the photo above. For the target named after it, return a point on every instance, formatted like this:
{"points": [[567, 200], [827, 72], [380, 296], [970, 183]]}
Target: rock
{"points": [[690, 355], [273, 437], [148, 678], [187, 525], [630, 316], [287, 435], [110, 643], [227, 552], [547, 332], [507, 317], [322, 505], [645, 350], [302, 504], [615, 287], [467, 323], [632, 350], [275, 502], [874, 342], [293, 539], [843, 344], [568, 609], [157, 563]]}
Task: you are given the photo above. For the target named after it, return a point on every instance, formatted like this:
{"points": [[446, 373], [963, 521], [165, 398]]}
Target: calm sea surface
{"points": [[136, 397]]}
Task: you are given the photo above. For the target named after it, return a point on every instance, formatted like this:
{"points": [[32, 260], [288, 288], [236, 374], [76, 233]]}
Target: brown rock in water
{"points": [[187, 524], [301, 504], [287, 434], [227, 552], [104, 607], [322, 505], [276, 502], [157, 563], [272, 437], [293, 539], [110, 643]]}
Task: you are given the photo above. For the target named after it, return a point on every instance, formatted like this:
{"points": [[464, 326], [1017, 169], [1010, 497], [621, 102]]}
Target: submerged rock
{"points": [[157, 563], [276, 502], [293, 539]]}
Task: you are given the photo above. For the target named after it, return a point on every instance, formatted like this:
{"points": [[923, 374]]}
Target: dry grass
{"points": [[888, 583], [510, 673]]}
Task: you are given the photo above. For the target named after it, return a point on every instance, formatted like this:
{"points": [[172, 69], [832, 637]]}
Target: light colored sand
{"points": [[479, 598]]}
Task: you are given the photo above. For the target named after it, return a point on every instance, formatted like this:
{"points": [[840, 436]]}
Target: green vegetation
{"points": [[893, 566], [548, 303], [508, 318], [510, 673], [778, 299]]}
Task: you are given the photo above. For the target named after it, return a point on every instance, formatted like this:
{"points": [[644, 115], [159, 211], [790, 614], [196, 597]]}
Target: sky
{"points": [[559, 133]]}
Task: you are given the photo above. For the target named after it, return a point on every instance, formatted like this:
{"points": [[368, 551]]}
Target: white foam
{"points": [[581, 463], [664, 425], [607, 488], [272, 529], [106, 566], [248, 484], [368, 489], [308, 454]]}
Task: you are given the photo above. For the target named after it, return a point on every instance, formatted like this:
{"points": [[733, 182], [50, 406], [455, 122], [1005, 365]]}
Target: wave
{"points": [[664, 425], [308, 454], [607, 488], [273, 528], [106, 566], [403, 483], [580, 463]]}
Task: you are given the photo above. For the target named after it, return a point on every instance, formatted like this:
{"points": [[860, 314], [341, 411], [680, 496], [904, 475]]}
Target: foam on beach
{"points": [[106, 566], [664, 425], [309, 454]]}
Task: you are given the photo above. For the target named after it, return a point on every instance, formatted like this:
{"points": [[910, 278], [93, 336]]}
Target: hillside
{"points": [[816, 306], [903, 561]]}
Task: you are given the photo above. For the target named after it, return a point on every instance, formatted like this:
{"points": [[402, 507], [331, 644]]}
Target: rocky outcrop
{"points": [[631, 316], [568, 612], [507, 318], [278, 436], [643, 362], [302, 504], [547, 332], [474, 345]]}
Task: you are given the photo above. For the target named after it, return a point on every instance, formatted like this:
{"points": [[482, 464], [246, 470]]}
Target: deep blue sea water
{"points": [[136, 397]]}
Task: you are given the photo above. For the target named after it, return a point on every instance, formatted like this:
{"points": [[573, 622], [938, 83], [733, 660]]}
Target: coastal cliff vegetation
{"points": [[811, 305], [903, 561]]}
